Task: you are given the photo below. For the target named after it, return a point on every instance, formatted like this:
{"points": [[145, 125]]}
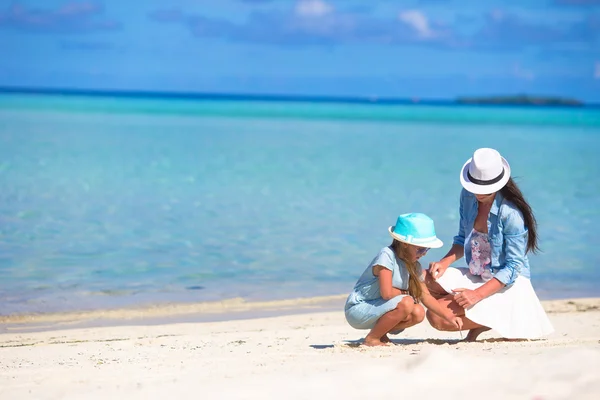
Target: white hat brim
{"points": [[433, 244], [483, 189]]}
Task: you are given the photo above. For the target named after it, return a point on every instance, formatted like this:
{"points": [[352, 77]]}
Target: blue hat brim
{"points": [[433, 244]]}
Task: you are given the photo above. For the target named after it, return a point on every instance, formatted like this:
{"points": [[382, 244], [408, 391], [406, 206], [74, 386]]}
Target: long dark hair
{"points": [[512, 193], [414, 283]]}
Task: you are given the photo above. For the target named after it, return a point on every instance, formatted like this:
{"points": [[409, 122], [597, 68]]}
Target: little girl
{"points": [[385, 298]]}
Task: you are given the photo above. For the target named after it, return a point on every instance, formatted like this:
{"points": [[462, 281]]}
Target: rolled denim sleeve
{"points": [[515, 246], [460, 236]]}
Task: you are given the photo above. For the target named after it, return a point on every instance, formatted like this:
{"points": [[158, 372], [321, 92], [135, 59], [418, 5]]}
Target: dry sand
{"points": [[313, 355]]}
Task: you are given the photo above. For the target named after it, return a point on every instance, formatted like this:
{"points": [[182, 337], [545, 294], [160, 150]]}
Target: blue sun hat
{"points": [[416, 229]]}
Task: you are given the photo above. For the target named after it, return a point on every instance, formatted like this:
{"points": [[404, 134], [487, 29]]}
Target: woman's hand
{"points": [[437, 269], [466, 298]]}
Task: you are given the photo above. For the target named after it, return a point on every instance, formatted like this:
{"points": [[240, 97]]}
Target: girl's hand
{"points": [[437, 269], [456, 321], [466, 298]]}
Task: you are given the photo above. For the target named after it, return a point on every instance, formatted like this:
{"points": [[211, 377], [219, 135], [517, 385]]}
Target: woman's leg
{"points": [[474, 333], [389, 320], [435, 289]]}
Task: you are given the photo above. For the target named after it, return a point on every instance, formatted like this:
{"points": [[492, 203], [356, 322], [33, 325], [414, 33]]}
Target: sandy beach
{"points": [[309, 355]]}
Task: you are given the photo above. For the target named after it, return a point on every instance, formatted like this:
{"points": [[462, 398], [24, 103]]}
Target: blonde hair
{"points": [[414, 281]]}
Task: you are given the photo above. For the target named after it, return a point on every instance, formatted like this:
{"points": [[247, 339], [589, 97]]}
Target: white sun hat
{"points": [[485, 173]]}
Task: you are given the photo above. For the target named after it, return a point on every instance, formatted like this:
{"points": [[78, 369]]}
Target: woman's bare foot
{"points": [[474, 333], [372, 341], [385, 339]]}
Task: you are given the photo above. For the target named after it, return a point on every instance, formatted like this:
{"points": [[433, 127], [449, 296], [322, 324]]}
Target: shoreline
{"points": [[216, 311], [163, 313]]}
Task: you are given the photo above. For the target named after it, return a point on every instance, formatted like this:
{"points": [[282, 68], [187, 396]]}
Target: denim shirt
{"points": [[507, 234]]}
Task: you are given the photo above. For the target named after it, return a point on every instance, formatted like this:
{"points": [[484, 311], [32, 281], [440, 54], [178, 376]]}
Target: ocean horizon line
{"points": [[265, 97]]}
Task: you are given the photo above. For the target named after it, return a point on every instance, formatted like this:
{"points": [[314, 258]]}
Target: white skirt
{"points": [[515, 312]]}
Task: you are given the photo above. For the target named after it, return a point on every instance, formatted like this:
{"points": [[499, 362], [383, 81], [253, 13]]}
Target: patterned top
{"points": [[481, 255]]}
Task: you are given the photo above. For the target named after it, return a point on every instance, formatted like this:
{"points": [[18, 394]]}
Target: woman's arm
{"points": [[515, 247], [515, 235], [438, 268], [457, 251], [386, 289], [467, 298]]}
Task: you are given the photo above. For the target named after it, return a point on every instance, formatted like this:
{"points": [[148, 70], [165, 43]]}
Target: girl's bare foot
{"points": [[371, 341], [385, 339], [474, 333]]}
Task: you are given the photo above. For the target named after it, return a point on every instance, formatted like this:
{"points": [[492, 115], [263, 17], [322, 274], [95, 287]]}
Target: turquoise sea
{"points": [[116, 201]]}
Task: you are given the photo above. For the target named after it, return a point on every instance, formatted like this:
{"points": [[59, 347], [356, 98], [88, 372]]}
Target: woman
{"points": [[497, 229]]}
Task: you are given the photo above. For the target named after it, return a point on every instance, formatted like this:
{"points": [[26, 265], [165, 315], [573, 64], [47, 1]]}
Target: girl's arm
{"points": [[433, 305], [386, 289]]}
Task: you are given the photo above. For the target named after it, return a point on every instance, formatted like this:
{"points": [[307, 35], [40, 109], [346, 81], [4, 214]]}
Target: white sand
{"points": [[300, 357]]}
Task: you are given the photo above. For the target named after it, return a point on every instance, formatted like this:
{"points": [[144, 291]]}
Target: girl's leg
{"points": [[415, 317], [442, 325], [389, 320]]}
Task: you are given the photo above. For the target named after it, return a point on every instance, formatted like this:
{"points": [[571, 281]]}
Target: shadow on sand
{"points": [[402, 342]]}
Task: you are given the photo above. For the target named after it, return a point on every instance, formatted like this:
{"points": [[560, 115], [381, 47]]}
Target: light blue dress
{"points": [[365, 305]]}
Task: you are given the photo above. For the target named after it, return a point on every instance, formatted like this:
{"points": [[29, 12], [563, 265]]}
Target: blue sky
{"points": [[421, 48]]}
